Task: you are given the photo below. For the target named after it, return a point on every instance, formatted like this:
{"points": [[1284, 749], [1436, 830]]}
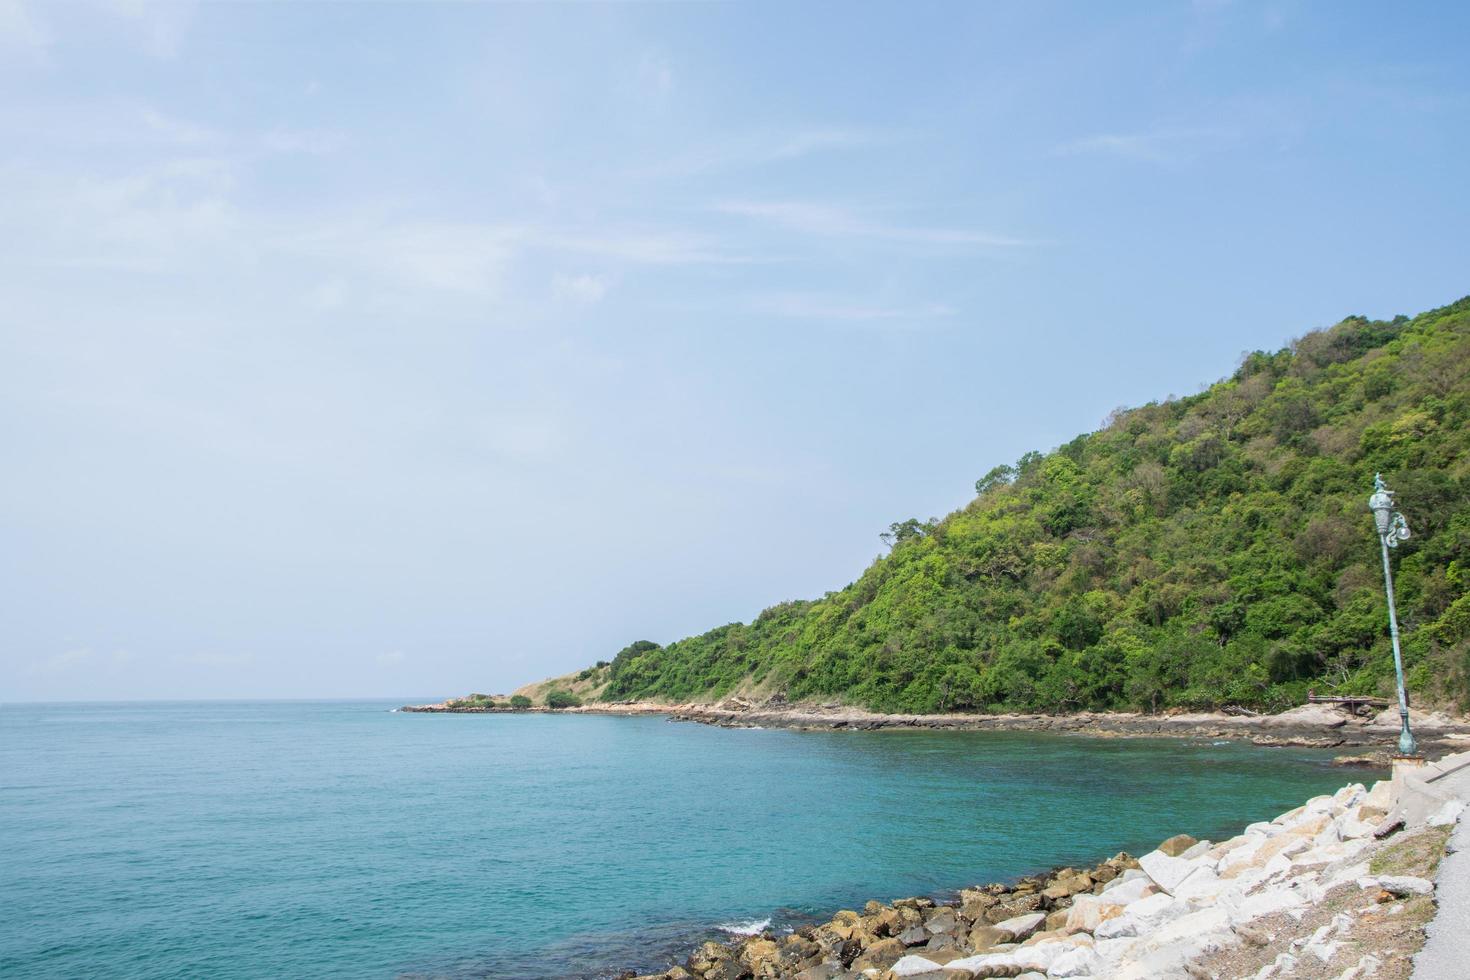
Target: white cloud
{"points": [[817, 306], [837, 221], [158, 25], [308, 142], [64, 662], [329, 295], [521, 434], [655, 72], [1153, 146], [585, 288], [21, 31], [756, 149], [209, 659]]}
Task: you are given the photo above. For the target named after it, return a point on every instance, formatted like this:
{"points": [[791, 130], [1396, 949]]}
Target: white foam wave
{"points": [[752, 928]]}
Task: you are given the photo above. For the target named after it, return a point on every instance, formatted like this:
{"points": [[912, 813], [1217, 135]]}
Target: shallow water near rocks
{"points": [[339, 839]]}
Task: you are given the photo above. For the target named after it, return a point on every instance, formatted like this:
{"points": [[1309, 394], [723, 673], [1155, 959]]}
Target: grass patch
{"points": [[1418, 854]]}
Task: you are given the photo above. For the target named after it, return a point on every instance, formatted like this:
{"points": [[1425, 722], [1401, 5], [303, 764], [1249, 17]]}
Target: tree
{"points": [[998, 477], [520, 702], [562, 699]]}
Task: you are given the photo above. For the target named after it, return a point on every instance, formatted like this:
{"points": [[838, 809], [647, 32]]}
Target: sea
{"points": [[347, 839]]}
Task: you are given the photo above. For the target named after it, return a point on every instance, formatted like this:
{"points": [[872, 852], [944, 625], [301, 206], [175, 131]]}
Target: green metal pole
{"points": [[1407, 745]]}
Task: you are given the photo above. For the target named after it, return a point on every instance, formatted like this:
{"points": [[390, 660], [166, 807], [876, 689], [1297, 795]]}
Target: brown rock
{"points": [[975, 904], [1252, 935], [882, 954], [1012, 906], [983, 938], [763, 957], [1057, 920], [703, 959], [940, 919], [1177, 845], [798, 949]]}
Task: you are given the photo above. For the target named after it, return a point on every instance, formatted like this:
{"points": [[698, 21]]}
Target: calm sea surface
{"points": [[337, 839]]}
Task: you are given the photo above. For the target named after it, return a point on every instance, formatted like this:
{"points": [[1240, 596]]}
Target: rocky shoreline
{"points": [[1312, 726], [1323, 890]]}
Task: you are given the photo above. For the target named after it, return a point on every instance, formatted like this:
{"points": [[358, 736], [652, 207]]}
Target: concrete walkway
{"points": [[1446, 953]]}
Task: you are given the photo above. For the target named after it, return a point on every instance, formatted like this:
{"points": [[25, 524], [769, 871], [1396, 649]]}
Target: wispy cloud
{"points": [[838, 221], [1152, 146], [758, 149], [21, 31], [585, 288], [212, 659], [158, 25], [822, 306]]}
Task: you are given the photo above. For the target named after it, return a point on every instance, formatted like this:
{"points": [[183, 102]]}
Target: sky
{"points": [[390, 349]]}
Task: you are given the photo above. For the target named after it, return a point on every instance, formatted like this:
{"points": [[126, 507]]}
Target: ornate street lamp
{"points": [[1392, 528]]}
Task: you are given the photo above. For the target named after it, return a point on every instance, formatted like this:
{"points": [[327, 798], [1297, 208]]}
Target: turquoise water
{"points": [[336, 839]]}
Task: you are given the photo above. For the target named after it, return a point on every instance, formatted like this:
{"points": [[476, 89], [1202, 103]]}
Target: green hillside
{"points": [[1209, 550]]}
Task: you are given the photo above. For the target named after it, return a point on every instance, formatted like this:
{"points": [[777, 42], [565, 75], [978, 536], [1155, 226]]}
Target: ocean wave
{"points": [[752, 928]]}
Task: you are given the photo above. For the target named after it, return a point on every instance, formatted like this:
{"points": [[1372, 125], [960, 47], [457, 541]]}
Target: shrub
{"points": [[562, 699], [520, 701]]}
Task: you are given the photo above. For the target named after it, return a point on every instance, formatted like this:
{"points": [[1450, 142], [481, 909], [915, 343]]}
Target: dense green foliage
{"points": [[1201, 551], [562, 699], [520, 702]]}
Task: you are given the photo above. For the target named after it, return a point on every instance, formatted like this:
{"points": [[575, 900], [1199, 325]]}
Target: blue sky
{"points": [[410, 349]]}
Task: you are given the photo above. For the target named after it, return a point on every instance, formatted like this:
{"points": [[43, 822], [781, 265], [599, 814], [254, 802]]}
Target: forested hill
{"points": [[1209, 550]]}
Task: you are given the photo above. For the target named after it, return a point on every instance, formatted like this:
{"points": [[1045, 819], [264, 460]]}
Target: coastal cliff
{"points": [[1192, 554]]}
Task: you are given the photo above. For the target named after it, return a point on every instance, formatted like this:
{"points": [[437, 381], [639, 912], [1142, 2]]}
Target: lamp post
{"points": [[1392, 528]]}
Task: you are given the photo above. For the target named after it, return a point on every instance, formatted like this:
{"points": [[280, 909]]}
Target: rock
{"points": [[1251, 935], [1405, 885], [911, 965], [1389, 826], [1167, 872], [1447, 815], [704, 959], [1080, 962], [1200, 849], [1022, 925], [882, 954], [822, 971], [1090, 911], [1177, 845], [1058, 919], [983, 938], [914, 936], [1380, 797], [974, 903], [798, 948], [1307, 716], [727, 970], [940, 919], [1131, 890], [762, 956], [1013, 906]]}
